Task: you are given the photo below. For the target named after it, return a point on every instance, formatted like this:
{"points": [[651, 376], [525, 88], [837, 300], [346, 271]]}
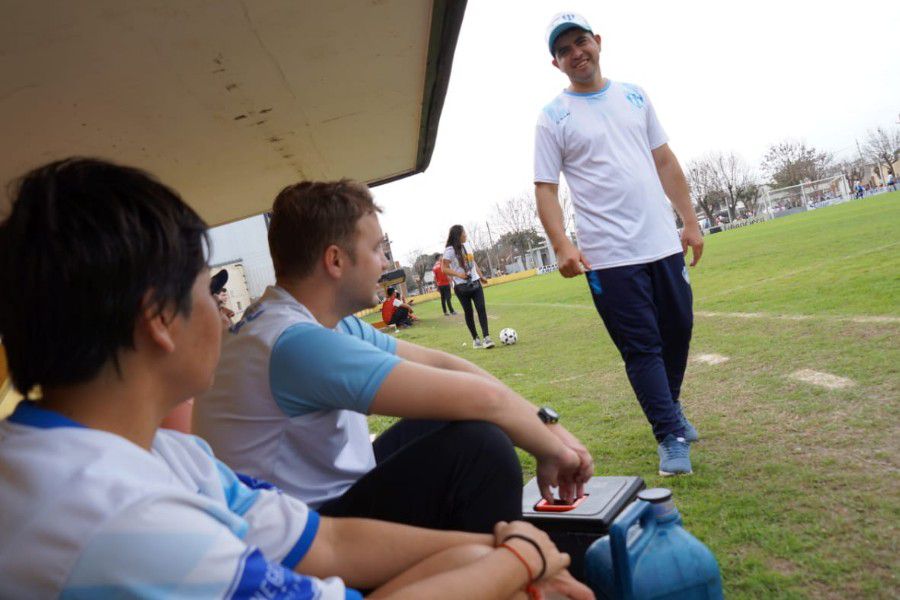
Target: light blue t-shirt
{"points": [[290, 398], [314, 368]]}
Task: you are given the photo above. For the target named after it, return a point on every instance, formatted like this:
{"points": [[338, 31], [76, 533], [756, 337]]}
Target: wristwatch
{"points": [[548, 415]]}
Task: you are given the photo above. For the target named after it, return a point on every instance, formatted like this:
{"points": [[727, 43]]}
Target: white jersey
{"points": [[602, 142], [88, 514], [456, 264], [290, 397]]}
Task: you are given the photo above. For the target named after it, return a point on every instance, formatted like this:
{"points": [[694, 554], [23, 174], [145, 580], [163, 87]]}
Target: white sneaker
{"points": [[488, 343], [476, 343]]}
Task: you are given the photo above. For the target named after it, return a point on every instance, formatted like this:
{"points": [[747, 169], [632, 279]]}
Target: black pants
{"points": [[446, 305], [401, 317], [463, 475], [475, 297], [647, 310]]}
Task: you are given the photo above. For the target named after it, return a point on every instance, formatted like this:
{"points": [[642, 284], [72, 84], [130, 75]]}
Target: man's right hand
{"points": [[563, 471], [570, 260]]}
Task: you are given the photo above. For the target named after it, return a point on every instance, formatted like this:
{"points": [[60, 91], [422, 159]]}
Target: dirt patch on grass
{"points": [[825, 380]]}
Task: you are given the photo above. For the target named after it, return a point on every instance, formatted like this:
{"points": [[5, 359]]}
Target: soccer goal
{"points": [[806, 196]]}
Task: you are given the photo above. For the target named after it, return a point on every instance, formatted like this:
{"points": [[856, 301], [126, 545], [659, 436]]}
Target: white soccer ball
{"points": [[508, 337]]}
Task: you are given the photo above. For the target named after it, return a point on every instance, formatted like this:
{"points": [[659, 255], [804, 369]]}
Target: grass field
{"points": [[795, 485]]}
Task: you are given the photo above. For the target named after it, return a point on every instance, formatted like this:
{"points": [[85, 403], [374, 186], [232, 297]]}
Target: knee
{"points": [[483, 439]]}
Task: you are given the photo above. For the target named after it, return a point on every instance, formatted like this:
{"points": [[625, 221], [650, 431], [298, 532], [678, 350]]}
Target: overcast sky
{"points": [[722, 75]]}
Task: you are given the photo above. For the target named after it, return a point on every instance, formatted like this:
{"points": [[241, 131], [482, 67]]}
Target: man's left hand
{"points": [[691, 236]]}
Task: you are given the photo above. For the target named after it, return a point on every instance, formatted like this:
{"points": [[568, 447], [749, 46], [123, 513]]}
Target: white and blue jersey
{"points": [[290, 398], [88, 514], [603, 142]]}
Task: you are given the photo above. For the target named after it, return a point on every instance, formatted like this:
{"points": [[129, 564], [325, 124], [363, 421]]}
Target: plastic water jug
{"points": [[655, 559]]}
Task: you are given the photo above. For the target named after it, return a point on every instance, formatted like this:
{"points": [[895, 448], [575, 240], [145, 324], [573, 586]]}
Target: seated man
{"points": [[395, 311], [95, 501], [299, 374]]}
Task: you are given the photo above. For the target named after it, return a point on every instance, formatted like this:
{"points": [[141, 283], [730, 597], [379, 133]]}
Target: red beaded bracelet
{"points": [[521, 559]]}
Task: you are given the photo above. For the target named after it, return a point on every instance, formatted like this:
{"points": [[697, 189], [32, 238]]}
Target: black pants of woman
{"points": [[446, 305], [467, 299]]}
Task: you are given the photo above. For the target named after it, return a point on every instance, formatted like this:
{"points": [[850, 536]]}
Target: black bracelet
{"points": [[540, 552]]}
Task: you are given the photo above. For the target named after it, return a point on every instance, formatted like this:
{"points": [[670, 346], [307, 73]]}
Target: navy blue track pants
{"points": [[647, 310]]}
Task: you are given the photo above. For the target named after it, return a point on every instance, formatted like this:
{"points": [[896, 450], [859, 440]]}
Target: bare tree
{"points": [[791, 163], [882, 147], [702, 181], [518, 222], [518, 213], [421, 264], [734, 178]]}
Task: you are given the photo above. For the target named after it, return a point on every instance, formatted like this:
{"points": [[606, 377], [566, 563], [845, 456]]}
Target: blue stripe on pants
{"points": [[647, 310]]}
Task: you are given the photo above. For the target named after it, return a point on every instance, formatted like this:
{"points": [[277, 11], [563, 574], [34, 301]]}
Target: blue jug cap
{"points": [[655, 495]]}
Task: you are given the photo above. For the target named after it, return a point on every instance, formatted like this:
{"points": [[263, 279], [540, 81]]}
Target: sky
{"points": [[723, 76]]}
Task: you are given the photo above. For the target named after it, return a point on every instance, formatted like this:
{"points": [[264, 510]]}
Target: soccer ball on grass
{"points": [[508, 337]]}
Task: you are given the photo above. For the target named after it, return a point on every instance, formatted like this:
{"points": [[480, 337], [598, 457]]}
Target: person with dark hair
{"points": [[459, 263], [96, 501], [395, 311], [605, 137], [220, 293], [443, 285], [299, 374]]}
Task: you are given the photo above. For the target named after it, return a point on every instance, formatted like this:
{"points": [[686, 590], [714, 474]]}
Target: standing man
{"points": [[443, 285], [605, 137]]}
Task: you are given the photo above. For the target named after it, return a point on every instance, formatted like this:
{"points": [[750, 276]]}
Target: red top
{"points": [[387, 310], [440, 278]]}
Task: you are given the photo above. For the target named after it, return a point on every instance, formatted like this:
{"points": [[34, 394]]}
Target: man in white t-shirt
{"points": [[97, 502], [605, 137]]}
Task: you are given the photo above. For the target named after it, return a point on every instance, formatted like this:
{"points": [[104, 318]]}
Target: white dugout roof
{"points": [[226, 101]]}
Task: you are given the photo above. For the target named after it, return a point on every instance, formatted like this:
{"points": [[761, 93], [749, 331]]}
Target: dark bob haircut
{"points": [[86, 240]]}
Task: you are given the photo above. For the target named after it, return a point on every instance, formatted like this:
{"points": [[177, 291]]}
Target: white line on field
{"points": [[732, 315], [572, 378], [826, 380], [711, 359]]}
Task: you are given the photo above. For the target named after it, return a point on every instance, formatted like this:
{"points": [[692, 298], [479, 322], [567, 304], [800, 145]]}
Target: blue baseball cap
{"points": [[563, 22]]}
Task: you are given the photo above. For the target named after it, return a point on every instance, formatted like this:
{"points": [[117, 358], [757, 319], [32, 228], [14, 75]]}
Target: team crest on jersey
{"points": [[635, 98]]}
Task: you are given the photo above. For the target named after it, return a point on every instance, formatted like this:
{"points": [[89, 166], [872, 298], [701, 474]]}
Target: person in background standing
{"points": [[443, 285], [459, 262]]}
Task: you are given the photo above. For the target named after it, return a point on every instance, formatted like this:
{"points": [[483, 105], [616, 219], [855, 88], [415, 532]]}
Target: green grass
{"points": [[795, 487]]}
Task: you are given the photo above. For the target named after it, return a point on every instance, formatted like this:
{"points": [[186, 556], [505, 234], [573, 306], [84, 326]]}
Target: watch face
{"points": [[548, 415]]}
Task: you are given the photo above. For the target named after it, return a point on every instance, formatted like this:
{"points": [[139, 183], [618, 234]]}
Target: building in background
{"points": [[245, 242]]}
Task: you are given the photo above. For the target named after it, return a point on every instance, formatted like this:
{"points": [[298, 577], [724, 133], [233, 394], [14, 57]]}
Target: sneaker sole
{"points": [[667, 474]]}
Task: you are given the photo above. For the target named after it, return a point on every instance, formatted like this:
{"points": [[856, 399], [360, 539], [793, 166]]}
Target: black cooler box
{"points": [[574, 529]]}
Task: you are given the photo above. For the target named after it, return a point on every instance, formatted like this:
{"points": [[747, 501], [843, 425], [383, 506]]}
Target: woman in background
{"points": [[459, 263]]}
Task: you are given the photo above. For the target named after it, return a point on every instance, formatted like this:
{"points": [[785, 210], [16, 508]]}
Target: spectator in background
{"points": [[443, 285], [459, 262], [395, 311], [217, 289]]}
